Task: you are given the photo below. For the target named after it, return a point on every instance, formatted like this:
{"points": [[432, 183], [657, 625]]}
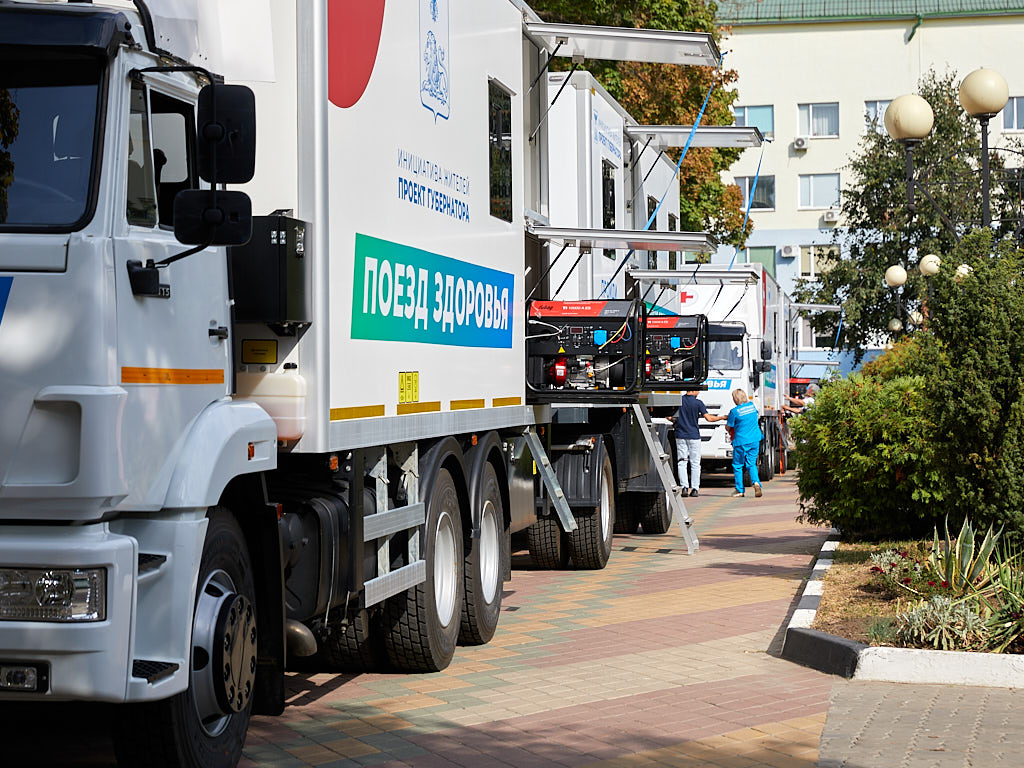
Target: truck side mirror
{"points": [[209, 217], [766, 350], [227, 134]]}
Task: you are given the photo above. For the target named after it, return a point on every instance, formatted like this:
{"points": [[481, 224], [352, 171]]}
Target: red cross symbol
{"points": [[684, 296]]}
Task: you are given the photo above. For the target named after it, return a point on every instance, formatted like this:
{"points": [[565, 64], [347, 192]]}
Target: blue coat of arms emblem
{"points": [[435, 85]]}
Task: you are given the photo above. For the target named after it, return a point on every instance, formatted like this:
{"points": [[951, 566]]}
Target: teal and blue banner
{"points": [[5, 291], [401, 293]]}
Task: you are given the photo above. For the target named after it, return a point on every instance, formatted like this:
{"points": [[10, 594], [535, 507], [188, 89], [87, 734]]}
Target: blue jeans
{"points": [[745, 456], [688, 449]]}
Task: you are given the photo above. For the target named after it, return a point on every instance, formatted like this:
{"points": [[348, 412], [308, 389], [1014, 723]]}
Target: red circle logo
{"points": [[353, 38]]}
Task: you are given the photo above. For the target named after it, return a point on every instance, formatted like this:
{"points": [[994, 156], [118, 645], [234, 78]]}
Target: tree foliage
{"points": [[977, 390], [935, 426], [880, 231], [666, 94]]}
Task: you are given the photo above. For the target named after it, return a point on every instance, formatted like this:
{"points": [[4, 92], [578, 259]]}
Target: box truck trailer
{"points": [[229, 442]]}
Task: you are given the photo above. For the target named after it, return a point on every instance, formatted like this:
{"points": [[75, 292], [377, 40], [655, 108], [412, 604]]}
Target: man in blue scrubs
{"points": [[746, 441]]}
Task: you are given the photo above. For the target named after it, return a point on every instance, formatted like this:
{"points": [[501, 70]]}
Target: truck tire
{"points": [[590, 545], [204, 726], [345, 648], [421, 625], [657, 517], [484, 566], [627, 518], [548, 546]]}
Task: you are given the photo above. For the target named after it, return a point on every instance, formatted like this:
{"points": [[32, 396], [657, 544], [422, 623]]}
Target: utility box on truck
{"points": [[315, 449]]}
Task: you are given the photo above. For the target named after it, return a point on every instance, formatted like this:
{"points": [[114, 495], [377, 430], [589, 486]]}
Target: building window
{"points": [[817, 259], [762, 117], [763, 255], [500, 140], [764, 193], [819, 190], [673, 226], [819, 120], [874, 115], [811, 339], [1013, 114]]}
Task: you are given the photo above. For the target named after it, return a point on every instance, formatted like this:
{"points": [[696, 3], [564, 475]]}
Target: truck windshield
{"points": [[725, 355], [48, 127]]}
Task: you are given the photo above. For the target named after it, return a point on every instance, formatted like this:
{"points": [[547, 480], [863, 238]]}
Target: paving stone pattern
{"points": [[661, 659], [888, 725]]}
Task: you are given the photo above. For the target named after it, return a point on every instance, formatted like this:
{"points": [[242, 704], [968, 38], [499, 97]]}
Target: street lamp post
{"points": [[909, 120], [983, 94]]}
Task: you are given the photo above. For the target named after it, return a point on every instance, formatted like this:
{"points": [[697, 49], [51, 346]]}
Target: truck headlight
{"points": [[53, 594]]}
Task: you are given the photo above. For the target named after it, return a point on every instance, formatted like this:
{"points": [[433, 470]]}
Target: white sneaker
{"points": [[757, 490], [735, 494]]}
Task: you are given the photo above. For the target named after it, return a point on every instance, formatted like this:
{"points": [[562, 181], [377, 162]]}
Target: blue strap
{"points": [[750, 202], [686, 148]]}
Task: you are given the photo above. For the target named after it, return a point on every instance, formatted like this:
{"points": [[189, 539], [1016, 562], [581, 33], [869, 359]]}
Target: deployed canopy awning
{"points": [[637, 239], [662, 136], [623, 44], [816, 307], [743, 274]]}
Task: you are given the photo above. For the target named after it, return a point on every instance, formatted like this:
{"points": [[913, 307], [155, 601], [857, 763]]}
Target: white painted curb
{"points": [[911, 665]]}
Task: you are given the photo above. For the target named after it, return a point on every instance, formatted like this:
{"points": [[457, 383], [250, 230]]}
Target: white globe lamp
{"points": [[895, 276], [909, 117], [984, 93], [929, 265]]}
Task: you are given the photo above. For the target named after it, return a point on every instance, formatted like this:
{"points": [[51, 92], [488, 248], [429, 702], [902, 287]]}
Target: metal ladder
{"points": [[674, 492]]}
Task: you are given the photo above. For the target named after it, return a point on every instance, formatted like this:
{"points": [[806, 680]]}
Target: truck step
{"points": [[153, 671]]}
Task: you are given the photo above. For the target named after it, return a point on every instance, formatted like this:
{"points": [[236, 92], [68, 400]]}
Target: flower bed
{"points": [[948, 594]]}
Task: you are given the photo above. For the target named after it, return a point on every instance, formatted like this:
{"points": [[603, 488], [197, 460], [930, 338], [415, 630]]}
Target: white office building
{"points": [[811, 77]]}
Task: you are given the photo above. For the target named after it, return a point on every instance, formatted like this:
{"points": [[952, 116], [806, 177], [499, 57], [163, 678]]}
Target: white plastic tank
{"points": [[281, 395]]}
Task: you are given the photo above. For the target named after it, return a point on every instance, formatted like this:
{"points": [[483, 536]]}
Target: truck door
{"points": [[172, 350]]}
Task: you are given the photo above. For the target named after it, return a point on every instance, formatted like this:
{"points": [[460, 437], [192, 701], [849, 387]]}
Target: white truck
{"points": [[221, 452], [751, 343]]}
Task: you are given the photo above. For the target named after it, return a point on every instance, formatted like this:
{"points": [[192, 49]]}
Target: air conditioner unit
{"points": [[831, 216], [790, 251], [800, 143]]}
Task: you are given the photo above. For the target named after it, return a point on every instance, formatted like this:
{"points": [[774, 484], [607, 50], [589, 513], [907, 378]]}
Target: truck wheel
{"points": [[590, 545], [627, 514], [484, 567], [422, 623], [204, 727], [346, 648], [547, 544], [657, 517]]}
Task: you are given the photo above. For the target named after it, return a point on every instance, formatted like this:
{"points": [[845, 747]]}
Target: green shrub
{"points": [[944, 623], [976, 393], [867, 462]]}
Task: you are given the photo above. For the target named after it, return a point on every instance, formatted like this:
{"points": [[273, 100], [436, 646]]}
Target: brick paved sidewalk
{"points": [[660, 659]]}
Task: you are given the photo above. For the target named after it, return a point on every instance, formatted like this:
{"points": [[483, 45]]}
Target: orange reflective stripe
{"points": [[172, 376]]}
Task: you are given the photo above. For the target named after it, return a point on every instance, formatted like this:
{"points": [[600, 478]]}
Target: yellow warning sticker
{"points": [[561, 350], [408, 386], [259, 352]]}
